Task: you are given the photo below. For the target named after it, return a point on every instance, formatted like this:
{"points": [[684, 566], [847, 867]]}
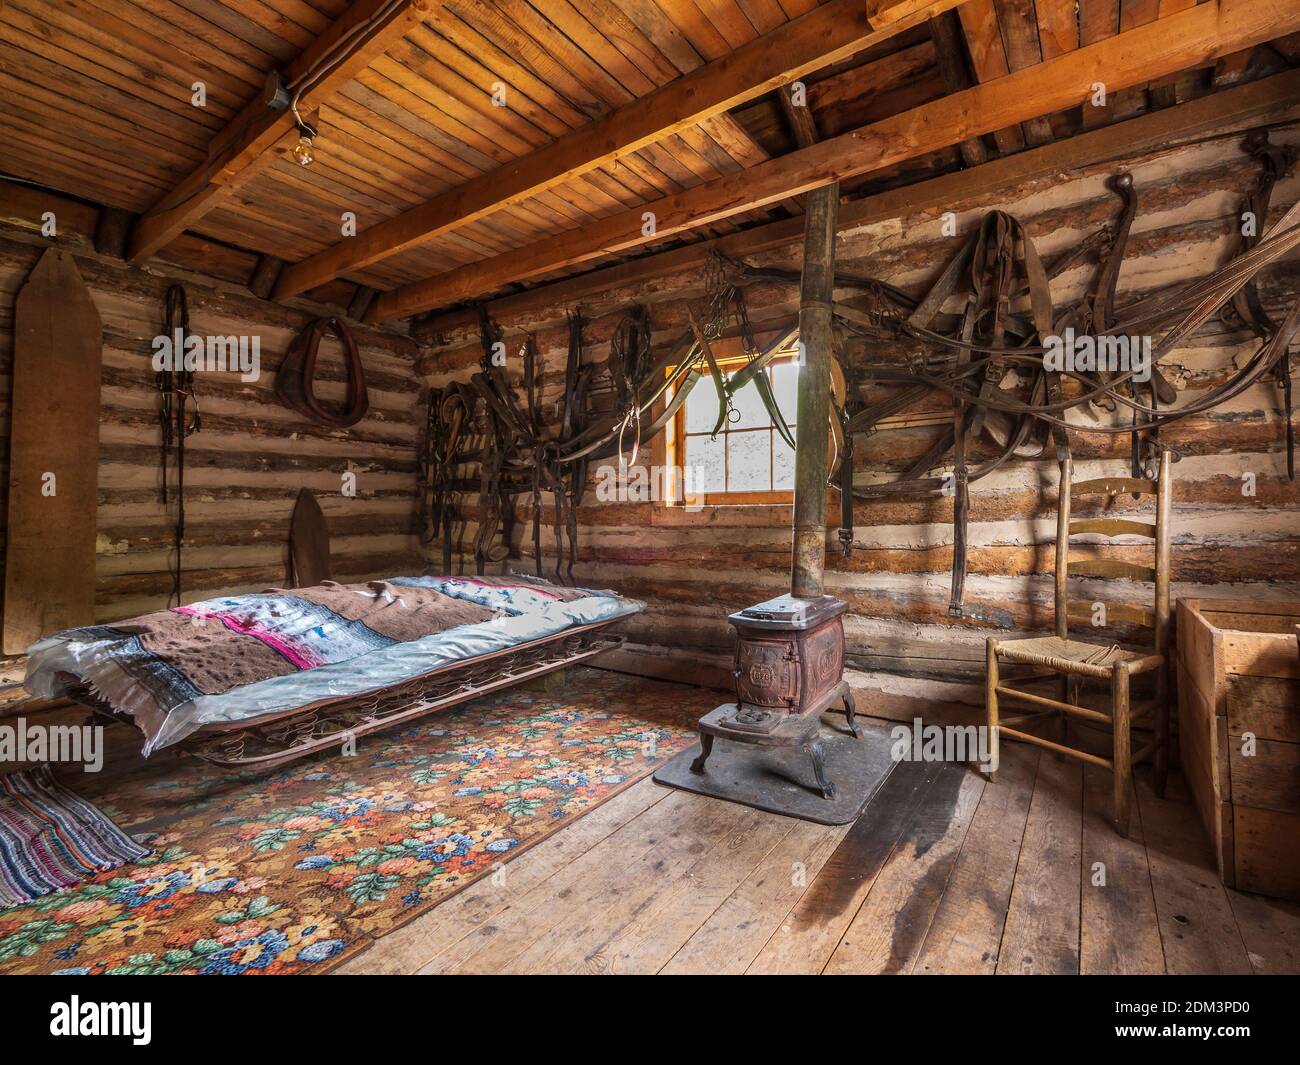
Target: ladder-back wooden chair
{"points": [[1075, 660]]}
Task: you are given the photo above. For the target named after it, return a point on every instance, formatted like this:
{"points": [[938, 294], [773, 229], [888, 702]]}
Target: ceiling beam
{"points": [[246, 147], [887, 12], [1266, 102], [1190, 38], [826, 35]]}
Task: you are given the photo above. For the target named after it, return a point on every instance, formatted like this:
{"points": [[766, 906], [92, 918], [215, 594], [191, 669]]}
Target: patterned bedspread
{"points": [[191, 657]]}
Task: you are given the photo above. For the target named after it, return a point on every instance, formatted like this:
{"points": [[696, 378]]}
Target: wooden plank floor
{"points": [[945, 874]]}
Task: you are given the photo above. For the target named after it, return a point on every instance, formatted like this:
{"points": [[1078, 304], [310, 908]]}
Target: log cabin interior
{"points": [[650, 486]]}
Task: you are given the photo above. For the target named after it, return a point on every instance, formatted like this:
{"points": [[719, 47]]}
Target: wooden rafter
{"points": [[826, 35], [1190, 38], [1163, 92], [246, 147], [950, 55], [1099, 21], [979, 21], [1265, 102], [1020, 40]]}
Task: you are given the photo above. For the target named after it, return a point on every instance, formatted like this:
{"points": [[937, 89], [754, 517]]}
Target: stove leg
{"points": [[819, 770], [706, 749], [849, 710]]}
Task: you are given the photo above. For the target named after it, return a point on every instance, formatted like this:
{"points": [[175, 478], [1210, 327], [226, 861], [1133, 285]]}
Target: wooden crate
{"points": [[1239, 675]]}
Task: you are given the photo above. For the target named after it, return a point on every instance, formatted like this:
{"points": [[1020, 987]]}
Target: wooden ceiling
{"points": [[95, 100]]}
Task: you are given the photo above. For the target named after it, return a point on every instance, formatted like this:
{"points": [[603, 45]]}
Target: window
{"points": [[748, 461]]}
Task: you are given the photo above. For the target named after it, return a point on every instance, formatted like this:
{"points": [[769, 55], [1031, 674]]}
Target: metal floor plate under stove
{"points": [[780, 780]]}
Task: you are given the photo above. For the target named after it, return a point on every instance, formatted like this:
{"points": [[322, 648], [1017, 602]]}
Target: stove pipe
{"points": [[816, 289]]}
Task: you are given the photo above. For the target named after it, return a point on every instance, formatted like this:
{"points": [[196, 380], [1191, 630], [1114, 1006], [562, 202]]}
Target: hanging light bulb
{"points": [[303, 152]]}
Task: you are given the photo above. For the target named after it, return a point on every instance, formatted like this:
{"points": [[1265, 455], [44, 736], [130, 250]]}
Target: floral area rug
{"points": [[296, 869]]}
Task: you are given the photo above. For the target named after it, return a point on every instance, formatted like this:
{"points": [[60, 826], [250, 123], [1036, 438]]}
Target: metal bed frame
{"points": [[283, 736]]}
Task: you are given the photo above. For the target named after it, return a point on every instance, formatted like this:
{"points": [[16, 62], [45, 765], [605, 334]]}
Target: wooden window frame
{"points": [[676, 444]]}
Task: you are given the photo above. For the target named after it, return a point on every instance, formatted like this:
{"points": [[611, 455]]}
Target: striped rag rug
{"points": [[52, 839]]}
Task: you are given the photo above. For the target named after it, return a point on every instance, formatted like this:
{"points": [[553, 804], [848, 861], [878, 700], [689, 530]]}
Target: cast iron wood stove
{"points": [[789, 668]]}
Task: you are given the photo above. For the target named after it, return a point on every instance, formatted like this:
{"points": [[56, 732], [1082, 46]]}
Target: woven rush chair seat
{"points": [[1076, 656]]}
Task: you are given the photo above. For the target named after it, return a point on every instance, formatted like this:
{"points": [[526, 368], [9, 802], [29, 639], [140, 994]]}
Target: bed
{"points": [[254, 681]]}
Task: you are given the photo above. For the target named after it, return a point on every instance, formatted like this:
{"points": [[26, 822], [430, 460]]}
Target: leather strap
{"points": [[175, 387]]}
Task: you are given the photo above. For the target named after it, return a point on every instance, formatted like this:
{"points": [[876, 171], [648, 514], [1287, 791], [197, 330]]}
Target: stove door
{"points": [[767, 673]]}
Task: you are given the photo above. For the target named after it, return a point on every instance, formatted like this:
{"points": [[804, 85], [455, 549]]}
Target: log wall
{"points": [[246, 465], [692, 568]]}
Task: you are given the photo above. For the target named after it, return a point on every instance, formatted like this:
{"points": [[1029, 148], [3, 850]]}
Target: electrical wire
{"points": [[300, 85]]}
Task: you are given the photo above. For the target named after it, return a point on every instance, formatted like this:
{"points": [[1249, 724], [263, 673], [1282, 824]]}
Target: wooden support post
{"points": [[816, 291]]}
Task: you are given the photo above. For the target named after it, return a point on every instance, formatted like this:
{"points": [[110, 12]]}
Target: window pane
{"points": [[785, 384], [702, 407], [749, 462], [749, 403], [782, 464], [704, 458]]}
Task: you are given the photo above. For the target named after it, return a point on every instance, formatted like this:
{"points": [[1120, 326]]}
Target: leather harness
{"points": [[295, 382], [1005, 319]]}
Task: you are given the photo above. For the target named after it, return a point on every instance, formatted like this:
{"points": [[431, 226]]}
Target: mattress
{"points": [[236, 658]]}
